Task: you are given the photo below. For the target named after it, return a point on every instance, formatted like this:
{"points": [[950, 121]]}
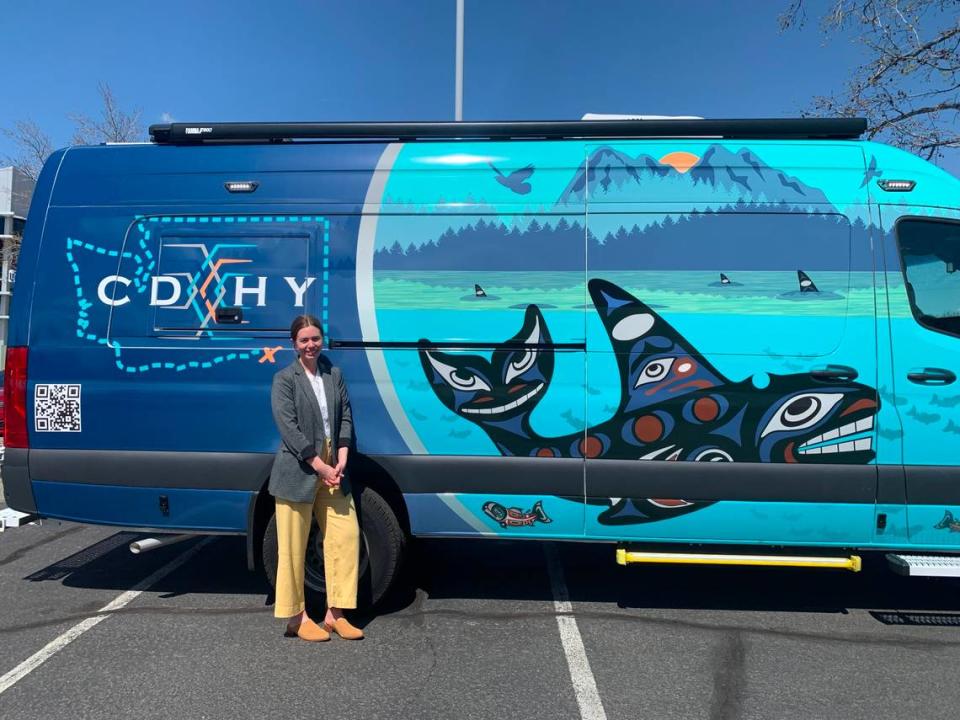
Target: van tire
{"points": [[382, 546]]}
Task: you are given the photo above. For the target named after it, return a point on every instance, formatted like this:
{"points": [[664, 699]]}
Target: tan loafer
{"points": [[308, 630], [343, 628]]}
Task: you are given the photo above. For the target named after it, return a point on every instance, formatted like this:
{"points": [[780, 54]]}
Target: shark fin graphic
{"points": [[806, 284]]}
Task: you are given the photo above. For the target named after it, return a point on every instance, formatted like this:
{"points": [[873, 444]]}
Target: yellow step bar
{"points": [[627, 557]]}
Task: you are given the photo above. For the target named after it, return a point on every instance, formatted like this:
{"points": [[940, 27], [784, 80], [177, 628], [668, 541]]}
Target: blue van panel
{"points": [[929, 413], [138, 176], [762, 523], [18, 329], [176, 385], [894, 531], [214, 510], [462, 514], [934, 525], [935, 187], [753, 260]]}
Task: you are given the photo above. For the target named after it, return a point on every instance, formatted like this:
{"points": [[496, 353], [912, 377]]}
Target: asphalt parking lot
{"points": [[478, 630]]}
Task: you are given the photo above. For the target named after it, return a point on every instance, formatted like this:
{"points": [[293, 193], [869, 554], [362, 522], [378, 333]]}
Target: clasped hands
{"points": [[331, 475]]}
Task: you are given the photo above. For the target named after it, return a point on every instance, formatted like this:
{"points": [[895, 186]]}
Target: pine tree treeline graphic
{"points": [[743, 236]]}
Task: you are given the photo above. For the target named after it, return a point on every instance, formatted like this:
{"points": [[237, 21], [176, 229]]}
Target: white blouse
{"points": [[316, 382]]}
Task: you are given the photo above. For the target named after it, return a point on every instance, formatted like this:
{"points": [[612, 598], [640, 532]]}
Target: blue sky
{"points": [[392, 60]]}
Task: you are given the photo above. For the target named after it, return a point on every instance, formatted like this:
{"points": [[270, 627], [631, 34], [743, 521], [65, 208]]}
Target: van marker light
{"points": [[146, 263], [897, 185]]}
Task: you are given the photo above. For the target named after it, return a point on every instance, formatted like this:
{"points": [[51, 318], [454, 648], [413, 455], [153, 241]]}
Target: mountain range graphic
{"points": [[721, 174]]}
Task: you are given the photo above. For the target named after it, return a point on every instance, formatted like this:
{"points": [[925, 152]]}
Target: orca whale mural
{"points": [[674, 404]]}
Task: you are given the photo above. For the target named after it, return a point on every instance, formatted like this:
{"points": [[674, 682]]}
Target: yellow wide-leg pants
{"points": [[337, 518]]}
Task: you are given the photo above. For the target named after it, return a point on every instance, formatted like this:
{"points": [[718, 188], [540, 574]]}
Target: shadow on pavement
{"points": [[108, 564], [517, 570]]}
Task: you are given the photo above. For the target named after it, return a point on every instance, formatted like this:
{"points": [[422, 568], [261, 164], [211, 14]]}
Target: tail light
{"points": [[15, 398]]}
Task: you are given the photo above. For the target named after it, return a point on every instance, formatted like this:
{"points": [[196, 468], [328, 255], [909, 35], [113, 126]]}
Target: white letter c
{"points": [[102, 290]]}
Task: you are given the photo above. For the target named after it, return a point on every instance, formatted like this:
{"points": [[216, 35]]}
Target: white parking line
{"points": [[584, 684], [59, 643]]}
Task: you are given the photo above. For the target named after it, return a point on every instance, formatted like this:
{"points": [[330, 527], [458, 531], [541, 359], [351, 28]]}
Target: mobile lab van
{"points": [[680, 331]]}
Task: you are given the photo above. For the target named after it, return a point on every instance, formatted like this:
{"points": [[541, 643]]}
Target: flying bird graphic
{"points": [[517, 180], [871, 172]]}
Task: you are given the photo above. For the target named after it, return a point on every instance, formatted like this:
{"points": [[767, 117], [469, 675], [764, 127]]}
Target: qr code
{"points": [[56, 408]]}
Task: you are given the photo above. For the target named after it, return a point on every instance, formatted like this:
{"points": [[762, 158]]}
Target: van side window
{"points": [[930, 257]]}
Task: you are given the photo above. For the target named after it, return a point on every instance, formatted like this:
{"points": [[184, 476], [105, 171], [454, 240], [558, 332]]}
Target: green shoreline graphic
{"points": [[757, 292]]}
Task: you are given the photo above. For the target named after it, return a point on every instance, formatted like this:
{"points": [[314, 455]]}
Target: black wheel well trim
{"points": [[258, 515], [365, 472]]}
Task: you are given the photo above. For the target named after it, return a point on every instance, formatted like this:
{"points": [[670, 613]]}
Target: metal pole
{"points": [[458, 112], [7, 238]]}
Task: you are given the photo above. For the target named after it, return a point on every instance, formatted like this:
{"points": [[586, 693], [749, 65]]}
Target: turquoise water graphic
{"points": [[759, 292]]}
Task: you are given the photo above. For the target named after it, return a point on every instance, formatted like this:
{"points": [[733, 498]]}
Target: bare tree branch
{"points": [[907, 88], [113, 125], [915, 54], [930, 109], [33, 147], [951, 142], [793, 15]]}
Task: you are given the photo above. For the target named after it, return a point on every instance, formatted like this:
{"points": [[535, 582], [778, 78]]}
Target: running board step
{"points": [[925, 565], [626, 557], [10, 518]]}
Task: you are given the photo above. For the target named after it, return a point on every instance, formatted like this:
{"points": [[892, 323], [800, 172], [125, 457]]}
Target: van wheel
{"points": [[382, 545]]}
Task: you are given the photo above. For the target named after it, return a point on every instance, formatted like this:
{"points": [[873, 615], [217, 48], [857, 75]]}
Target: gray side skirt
{"points": [[139, 468], [764, 482]]}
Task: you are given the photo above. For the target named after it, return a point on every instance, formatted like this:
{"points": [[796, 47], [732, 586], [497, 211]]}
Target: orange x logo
{"points": [[268, 354]]}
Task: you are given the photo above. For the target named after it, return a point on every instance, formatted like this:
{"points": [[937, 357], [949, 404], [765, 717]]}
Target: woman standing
{"points": [[312, 412]]}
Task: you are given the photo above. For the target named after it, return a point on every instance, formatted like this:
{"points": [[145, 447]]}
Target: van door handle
{"points": [[232, 315], [931, 376], [834, 373]]}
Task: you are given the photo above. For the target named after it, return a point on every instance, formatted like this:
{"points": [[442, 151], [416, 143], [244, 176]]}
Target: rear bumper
{"points": [[17, 489]]}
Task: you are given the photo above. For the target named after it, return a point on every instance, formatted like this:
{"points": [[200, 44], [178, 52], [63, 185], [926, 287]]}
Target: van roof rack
{"points": [[768, 129]]}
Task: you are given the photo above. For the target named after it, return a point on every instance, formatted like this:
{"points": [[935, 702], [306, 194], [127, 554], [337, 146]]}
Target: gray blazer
{"points": [[297, 415]]}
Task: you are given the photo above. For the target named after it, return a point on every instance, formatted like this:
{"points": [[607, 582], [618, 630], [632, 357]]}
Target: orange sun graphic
{"points": [[680, 161]]}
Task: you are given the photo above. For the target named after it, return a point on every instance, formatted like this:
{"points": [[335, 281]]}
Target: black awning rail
{"points": [[266, 132]]}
